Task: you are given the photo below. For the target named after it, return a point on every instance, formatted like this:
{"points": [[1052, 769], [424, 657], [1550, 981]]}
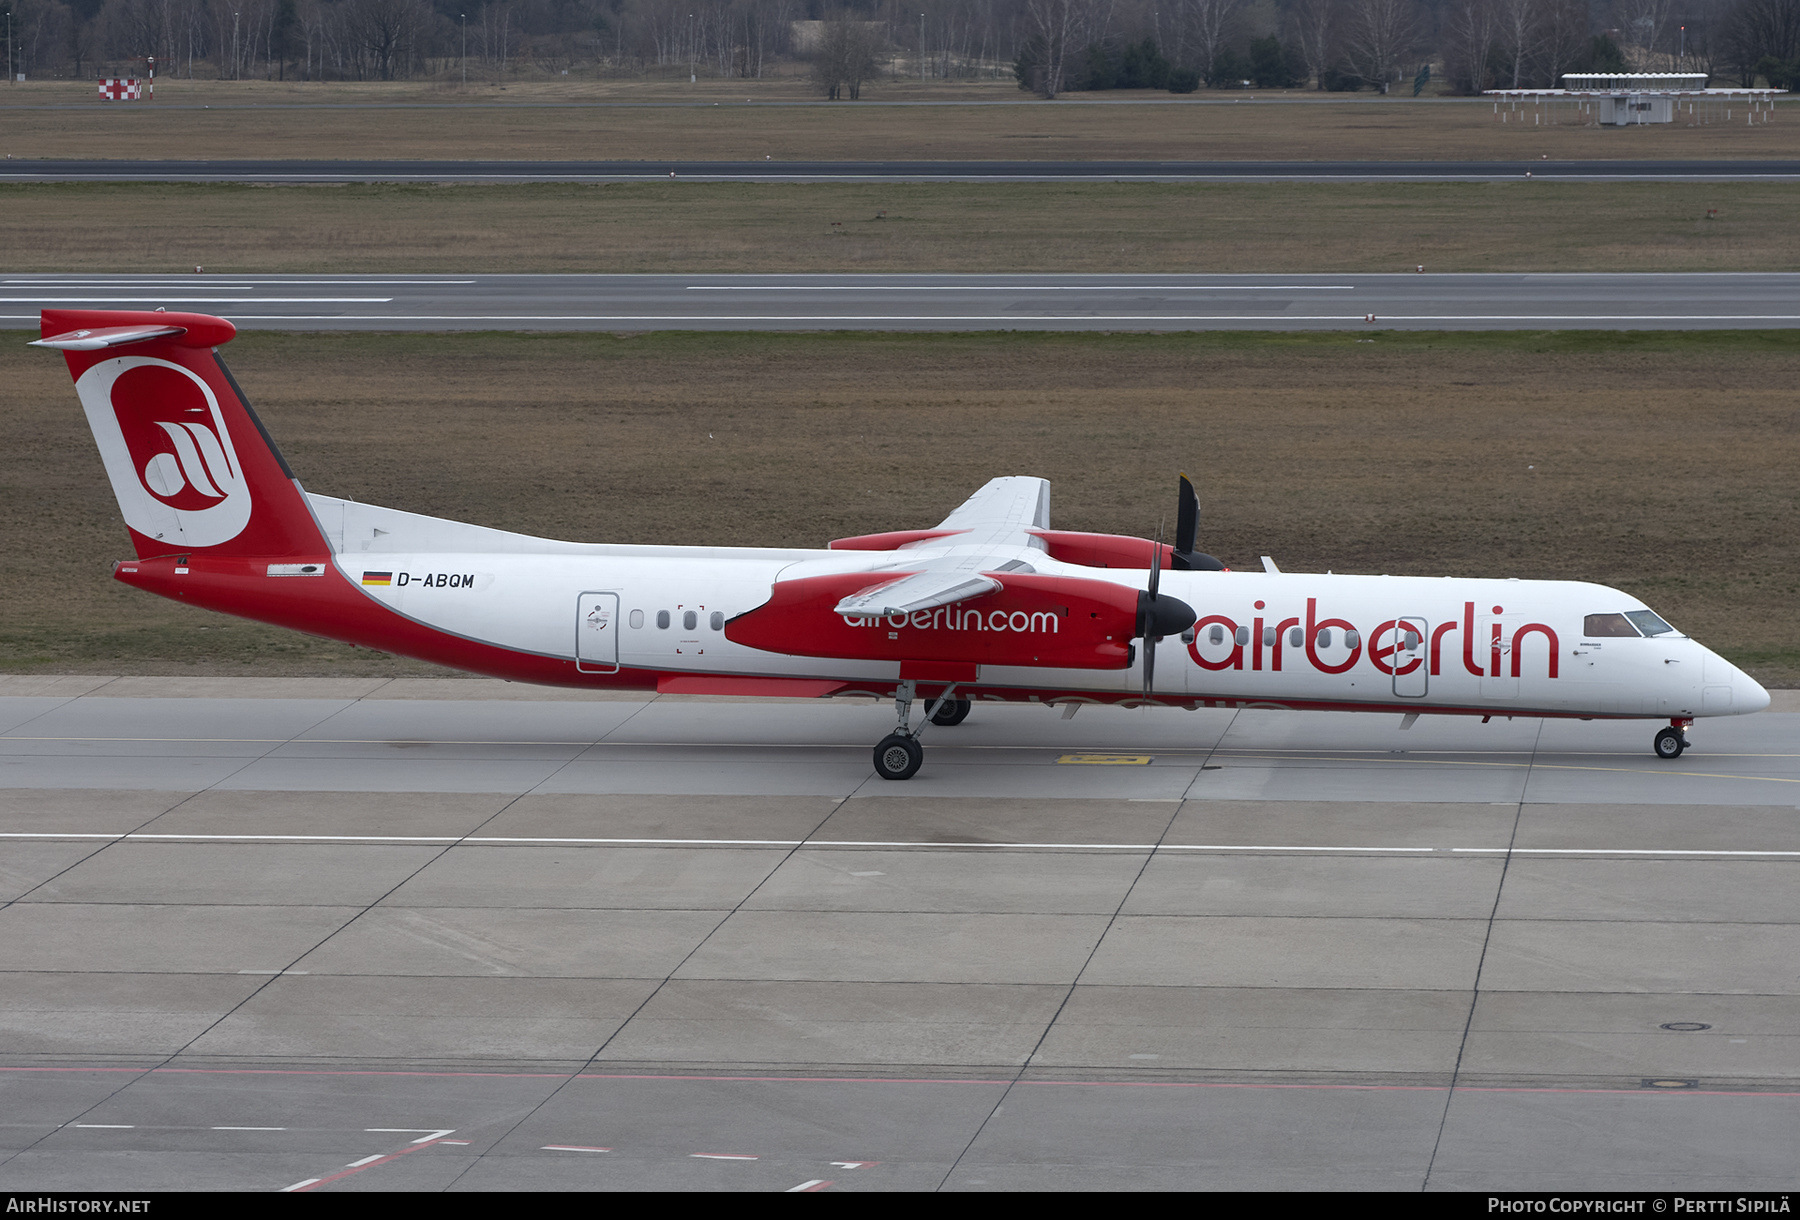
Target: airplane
{"points": [[990, 604]]}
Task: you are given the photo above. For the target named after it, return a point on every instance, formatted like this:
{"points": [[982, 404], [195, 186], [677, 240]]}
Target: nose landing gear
{"points": [[1670, 742]]}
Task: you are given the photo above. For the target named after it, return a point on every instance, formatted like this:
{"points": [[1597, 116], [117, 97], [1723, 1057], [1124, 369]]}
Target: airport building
{"points": [[1627, 99]]}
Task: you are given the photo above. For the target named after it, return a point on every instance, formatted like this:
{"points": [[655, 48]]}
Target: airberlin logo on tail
{"points": [[190, 475], [167, 451]]}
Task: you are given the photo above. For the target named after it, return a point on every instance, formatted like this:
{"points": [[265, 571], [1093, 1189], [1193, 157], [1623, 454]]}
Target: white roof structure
{"points": [[1655, 84], [1634, 82]]}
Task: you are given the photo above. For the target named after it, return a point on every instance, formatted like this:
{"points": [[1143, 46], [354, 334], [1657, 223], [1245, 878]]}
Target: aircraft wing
{"points": [[996, 516], [1003, 507], [919, 591]]}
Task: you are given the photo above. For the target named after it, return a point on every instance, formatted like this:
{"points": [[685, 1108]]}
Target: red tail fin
{"points": [[191, 465]]}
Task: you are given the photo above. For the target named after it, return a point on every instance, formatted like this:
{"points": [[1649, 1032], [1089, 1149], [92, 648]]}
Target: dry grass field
{"points": [[751, 120], [736, 227], [1660, 463]]}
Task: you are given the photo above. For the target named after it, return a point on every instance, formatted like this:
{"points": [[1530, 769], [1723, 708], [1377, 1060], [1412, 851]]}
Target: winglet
{"points": [[1269, 566]]}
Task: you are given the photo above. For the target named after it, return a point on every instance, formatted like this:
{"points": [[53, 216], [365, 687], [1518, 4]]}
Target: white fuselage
{"points": [[1286, 639]]}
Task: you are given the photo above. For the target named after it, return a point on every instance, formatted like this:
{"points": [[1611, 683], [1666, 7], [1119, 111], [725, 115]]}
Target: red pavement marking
{"points": [[368, 1163], [1104, 1084]]}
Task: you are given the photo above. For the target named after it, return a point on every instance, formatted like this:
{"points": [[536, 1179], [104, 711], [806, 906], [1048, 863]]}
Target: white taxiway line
{"points": [[1020, 288], [1012, 320], [220, 286], [146, 298], [881, 844]]}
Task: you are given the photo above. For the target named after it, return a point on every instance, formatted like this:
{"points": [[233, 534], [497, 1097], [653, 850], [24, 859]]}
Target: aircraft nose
{"points": [[1748, 694]]}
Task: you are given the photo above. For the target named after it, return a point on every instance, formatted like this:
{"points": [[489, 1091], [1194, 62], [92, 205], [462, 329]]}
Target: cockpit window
{"points": [[1598, 625], [1649, 623]]}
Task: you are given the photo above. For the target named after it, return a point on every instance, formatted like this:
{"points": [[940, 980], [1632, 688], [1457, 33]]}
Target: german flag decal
{"points": [[378, 578]]}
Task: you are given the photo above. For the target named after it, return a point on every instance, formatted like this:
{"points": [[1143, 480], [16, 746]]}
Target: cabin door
{"points": [[597, 633], [1411, 672]]}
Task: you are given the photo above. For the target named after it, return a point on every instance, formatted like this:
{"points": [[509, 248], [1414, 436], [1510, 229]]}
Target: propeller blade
{"points": [[1187, 516], [1148, 612], [1156, 564], [1187, 529]]}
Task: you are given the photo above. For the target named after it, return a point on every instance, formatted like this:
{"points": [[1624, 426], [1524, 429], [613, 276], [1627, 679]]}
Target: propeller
{"points": [[1159, 615], [1187, 528]]}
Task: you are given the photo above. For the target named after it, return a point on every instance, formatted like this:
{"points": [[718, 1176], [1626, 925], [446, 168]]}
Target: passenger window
{"points": [[1243, 636], [1216, 634], [718, 620], [1296, 637], [637, 618], [1649, 623], [1325, 638], [1595, 626], [1410, 641], [1268, 637], [662, 619], [689, 620]]}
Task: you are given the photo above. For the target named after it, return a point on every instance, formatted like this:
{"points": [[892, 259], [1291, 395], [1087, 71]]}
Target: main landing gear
{"points": [[948, 712], [899, 754], [1670, 742]]}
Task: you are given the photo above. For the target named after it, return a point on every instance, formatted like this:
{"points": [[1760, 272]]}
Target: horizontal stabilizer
{"points": [[107, 336], [919, 591]]}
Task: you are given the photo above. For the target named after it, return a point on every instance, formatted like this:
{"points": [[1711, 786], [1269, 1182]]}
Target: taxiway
{"points": [[457, 934], [1697, 301]]}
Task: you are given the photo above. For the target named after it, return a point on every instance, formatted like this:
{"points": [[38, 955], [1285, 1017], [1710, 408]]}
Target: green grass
{"points": [[1658, 462], [687, 227]]}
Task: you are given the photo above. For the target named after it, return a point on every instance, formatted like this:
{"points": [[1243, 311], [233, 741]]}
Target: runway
{"points": [[457, 934], [292, 171], [934, 302]]}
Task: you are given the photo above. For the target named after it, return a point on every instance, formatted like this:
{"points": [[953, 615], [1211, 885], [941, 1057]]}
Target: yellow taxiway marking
{"points": [[1105, 760]]}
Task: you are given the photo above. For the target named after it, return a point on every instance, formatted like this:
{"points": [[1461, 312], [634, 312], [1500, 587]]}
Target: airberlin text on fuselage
{"points": [[951, 618], [1268, 644]]}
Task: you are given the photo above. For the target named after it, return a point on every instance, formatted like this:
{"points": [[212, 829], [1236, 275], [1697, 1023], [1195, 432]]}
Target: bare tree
{"points": [[1058, 28], [1469, 44], [1517, 21], [1644, 22], [1763, 28], [845, 56], [1378, 34], [387, 30], [1313, 26], [1208, 24], [1563, 34]]}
